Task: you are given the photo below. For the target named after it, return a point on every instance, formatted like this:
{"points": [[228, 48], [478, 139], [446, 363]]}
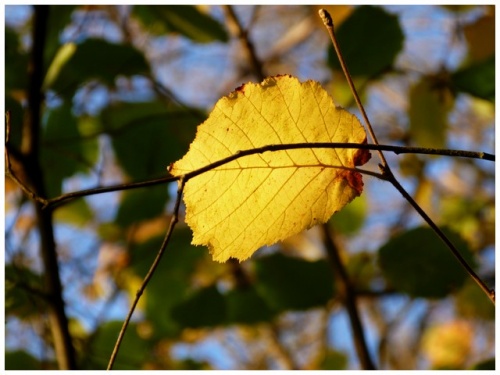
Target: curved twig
{"points": [[272, 148]]}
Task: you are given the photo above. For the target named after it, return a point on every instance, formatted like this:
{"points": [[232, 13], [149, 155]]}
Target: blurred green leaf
{"points": [[477, 80], [77, 213], [64, 151], [110, 232], [334, 360], [163, 295], [94, 59], [351, 218], [246, 306], [21, 360], [362, 269], [157, 135], [470, 216], [16, 63], [370, 40], [191, 364], [411, 165], [59, 18], [291, 283], [171, 283], [141, 204], [204, 308], [183, 19], [22, 292], [471, 302], [171, 303], [179, 261], [428, 114], [134, 351], [418, 263], [488, 364]]}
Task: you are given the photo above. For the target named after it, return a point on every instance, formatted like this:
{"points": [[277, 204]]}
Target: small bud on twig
{"points": [[325, 17]]}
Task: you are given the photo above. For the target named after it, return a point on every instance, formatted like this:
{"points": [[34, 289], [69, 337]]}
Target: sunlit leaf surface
{"points": [[260, 199]]}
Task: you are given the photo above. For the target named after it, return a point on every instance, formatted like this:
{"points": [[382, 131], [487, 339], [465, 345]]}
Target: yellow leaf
{"points": [[260, 199], [448, 345]]}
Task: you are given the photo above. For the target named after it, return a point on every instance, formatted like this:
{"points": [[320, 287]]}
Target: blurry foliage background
{"points": [[125, 88]]}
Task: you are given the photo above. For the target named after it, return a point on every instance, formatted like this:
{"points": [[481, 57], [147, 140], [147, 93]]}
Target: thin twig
{"points": [[385, 168], [346, 288], [149, 275], [386, 175], [65, 198], [328, 22], [348, 295], [489, 292], [273, 148]]}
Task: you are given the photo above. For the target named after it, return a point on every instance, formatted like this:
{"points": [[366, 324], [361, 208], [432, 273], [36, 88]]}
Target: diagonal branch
{"points": [[385, 168], [348, 296], [328, 22], [390, 177]]}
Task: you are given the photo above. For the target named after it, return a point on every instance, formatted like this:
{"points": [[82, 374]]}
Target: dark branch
{"points": [[348, 296], [65, 198], [273, 148], [385, 168], [390, 177], [30, 148]]}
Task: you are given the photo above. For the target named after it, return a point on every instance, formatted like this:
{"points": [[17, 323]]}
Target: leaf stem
{"points": [[149, 275]]}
